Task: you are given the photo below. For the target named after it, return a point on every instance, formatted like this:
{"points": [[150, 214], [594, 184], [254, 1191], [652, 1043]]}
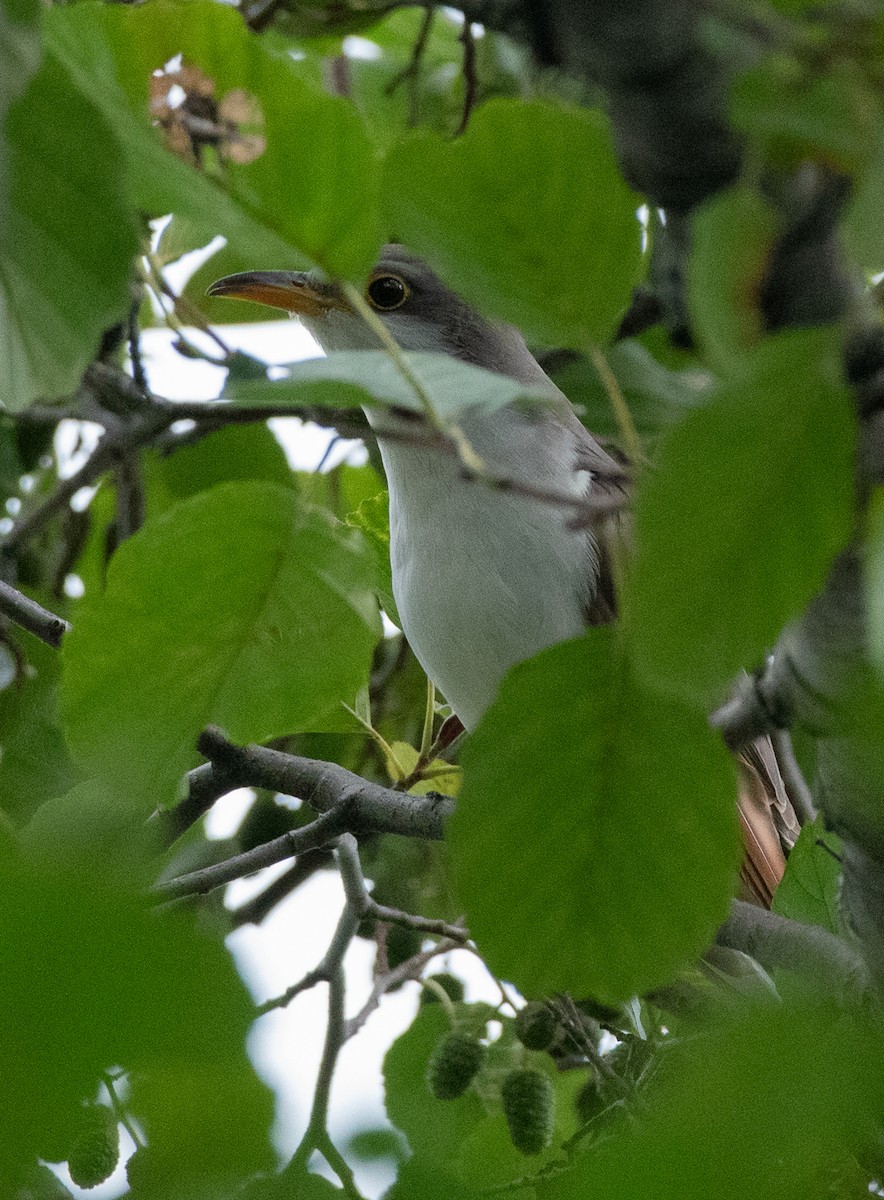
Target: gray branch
{"points": [[346, 804], [349, 804], [32, 616], [778, 943]]}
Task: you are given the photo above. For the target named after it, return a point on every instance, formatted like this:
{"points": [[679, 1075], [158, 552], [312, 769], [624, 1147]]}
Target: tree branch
{"points": [[778, 943], [346, 802], [32, 616], [317, 834], [412, 968], [370, 807]]}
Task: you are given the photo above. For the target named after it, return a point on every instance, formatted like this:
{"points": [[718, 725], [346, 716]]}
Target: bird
{"points": [[487, 577]]}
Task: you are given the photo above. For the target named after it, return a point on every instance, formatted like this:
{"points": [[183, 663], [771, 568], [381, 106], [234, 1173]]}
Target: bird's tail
{"points": [[768, 822]]}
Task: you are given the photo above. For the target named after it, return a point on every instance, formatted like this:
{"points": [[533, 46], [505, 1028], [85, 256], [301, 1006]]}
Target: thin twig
{"points": [[470, 78], [102, 458], [411, 72], [32, 616], [586, 509], [134, 334], [410, 969], [351, 877], [303, 868], [395, 916], [316, 1136], [181, 306], [130, 505], [314, 836]]}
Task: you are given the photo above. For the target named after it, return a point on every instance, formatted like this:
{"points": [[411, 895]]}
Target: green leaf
{"points": [[420, 1179], [207, 1126], [34, 761], [737, 528], [828, 116], [355, 377], [235, 452], [526, 215], [66, 241], [239, 606], [863, 227], [313, 189], [733, 239], [762, 1108], [627, 793], [809, 889], [372, 518], [874, 576], [93, 978], [91, 828], [20, 51]]}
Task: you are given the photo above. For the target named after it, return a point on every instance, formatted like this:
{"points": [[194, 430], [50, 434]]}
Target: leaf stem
{"points": [[628, 432]]}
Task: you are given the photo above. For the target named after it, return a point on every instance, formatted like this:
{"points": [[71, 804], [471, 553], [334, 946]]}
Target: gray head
{"points": [[417, 308]]}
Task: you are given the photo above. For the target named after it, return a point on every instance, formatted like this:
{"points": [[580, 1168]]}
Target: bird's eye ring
{"points": [[386, 292]]}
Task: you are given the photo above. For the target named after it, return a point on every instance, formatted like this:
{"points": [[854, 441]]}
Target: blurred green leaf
{"points": [[313, 190], [94, 979], [34, 761], [483, 210], [425, 1179], [66, 241], [863, 226], [90, 827], [734, 235], [239, 606], [20, 51], [207, 1125], [627, 794], [760, 1108], [827, 115], [809, 889], [737, 529]]}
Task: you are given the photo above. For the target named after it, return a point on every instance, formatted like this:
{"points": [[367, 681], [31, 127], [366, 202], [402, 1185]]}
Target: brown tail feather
{"points": [[767, 820]]}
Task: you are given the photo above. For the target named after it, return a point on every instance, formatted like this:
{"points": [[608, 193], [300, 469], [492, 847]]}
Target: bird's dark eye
{"points": [[387, 292]]}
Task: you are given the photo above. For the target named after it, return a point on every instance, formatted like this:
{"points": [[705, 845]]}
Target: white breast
{"points": [[484, 579]]}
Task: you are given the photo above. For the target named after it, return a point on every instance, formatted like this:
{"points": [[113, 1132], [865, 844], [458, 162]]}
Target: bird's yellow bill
{"points": [[290, 290]]}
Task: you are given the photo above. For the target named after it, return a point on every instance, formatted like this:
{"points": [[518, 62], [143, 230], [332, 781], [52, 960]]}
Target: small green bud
{"points": [[536, 1026], [453, 1065], [529, 1105], [96, 1147], [450, 984]]}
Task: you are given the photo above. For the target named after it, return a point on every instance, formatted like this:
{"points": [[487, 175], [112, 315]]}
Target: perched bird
{"points": [[486, 577]]}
